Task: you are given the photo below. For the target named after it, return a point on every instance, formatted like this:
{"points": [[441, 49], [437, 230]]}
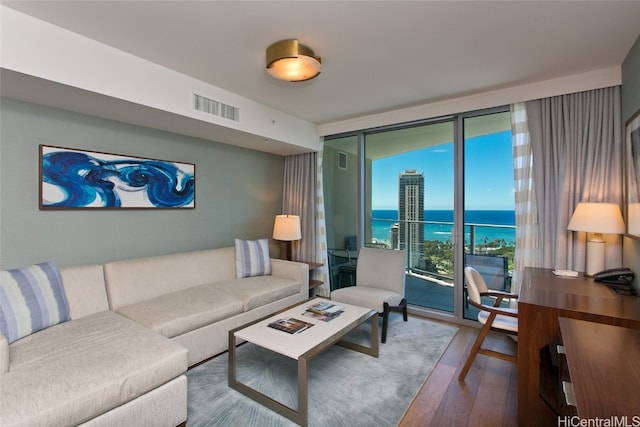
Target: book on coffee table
{"points": [[326, 309], [290, 325]]}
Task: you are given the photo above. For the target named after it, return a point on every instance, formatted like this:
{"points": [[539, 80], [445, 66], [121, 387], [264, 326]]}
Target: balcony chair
{"points": [[380, 280], [341, 266], [493, 318], [351, 243], [493, 269]]}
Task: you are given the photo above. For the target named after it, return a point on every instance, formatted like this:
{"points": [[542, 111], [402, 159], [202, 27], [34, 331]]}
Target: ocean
{"points": [[382, 220]]}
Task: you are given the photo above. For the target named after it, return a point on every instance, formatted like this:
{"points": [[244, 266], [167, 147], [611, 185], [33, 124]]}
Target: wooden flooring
{"points": [[487, 397]]}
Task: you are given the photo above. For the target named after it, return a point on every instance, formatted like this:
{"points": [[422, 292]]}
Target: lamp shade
{"points": [[287, 228], [604, 218], [292, 61]]}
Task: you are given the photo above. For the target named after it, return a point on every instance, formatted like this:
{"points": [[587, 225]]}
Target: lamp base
{"points": [[286, 251], [595, 257]]}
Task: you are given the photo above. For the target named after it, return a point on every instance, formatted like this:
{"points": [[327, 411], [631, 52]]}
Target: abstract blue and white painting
{"points": [[71, 178]]}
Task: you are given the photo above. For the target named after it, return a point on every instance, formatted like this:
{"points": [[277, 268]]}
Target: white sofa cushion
{"points": [[259, 290], [180, 312], [69, 373], [85, 289], [136, 280], [162, 406]]}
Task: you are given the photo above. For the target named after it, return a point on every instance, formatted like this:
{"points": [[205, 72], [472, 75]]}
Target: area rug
{"points": [[346, 388]]}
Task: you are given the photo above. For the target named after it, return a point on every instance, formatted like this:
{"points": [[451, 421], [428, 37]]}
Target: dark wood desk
{"points": [[604, 366], [544, 297]]}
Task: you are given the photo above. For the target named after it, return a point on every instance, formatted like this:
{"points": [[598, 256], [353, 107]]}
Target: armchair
{"points": [[493, 318], [380, 280]]}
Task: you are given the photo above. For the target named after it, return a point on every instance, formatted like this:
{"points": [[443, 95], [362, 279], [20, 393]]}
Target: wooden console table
{"points": [[603, 369], [544, 297], [313, 283]]}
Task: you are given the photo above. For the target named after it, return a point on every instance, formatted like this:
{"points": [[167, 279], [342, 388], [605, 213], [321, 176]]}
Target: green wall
{"points": [[238, 192]]}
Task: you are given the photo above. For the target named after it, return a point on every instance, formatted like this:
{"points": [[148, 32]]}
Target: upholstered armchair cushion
{"points": [[365, 296], [381, 268]]}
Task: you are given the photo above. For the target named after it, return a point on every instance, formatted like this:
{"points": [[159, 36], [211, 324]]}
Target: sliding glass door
{"points": [[442, 190], [340, 174], [489, 216], [410, 205]]}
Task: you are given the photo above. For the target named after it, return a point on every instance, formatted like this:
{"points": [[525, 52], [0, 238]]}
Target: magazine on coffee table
{"points": [[323, 317], [325, 308], [324, 311], [290, 325]]}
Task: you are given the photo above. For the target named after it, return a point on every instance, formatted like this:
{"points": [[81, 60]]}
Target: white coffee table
{"points": [[302, 347]]}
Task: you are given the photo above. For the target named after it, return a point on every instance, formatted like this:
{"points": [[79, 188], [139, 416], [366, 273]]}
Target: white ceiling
{"points": [[377, 55]]}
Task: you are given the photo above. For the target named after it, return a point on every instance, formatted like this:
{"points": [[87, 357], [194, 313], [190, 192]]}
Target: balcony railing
{"points": [[432, 285], [434, 255]]}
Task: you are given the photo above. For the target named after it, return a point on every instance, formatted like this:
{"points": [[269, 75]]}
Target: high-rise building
{"points": [[411, 215], [393, 236]]}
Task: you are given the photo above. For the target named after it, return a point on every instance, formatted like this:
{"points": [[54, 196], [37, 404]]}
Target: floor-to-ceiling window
{"points": [[411, 171], [422, 187], [489, 217]]}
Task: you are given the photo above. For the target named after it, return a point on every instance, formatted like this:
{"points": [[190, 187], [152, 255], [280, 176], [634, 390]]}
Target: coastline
{"points": [[488, 225]]}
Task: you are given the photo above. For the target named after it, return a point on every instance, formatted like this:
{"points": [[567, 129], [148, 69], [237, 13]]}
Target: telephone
{"points": [[615, 276]]}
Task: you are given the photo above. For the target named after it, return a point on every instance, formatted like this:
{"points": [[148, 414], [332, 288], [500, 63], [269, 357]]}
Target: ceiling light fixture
{"points": [[292, 61]]}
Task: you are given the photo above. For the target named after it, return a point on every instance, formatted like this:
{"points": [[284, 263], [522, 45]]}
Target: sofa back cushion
{"points": [[31, 299], [135, 280], [85, 289]]}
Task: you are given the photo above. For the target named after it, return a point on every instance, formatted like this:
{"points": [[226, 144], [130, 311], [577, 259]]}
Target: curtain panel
{"points": [[321, 231], [576, 142], [302, 196], [528, 251], [298, 198]]}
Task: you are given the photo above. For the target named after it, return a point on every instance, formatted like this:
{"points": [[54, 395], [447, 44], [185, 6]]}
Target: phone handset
{"points": [[615, 276]]}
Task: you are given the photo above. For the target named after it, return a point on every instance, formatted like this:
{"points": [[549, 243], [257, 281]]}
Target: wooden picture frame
{"points": [[631, 166], [83, 179]]}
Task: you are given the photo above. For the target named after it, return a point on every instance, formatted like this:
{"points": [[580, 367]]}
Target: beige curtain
{"points": [[298, 198], [576, 156], [301, 197], [528, 250], [321, 274]]}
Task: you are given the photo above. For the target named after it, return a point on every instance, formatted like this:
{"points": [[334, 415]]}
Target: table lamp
{"points": [[596, 219], [286, 228]]}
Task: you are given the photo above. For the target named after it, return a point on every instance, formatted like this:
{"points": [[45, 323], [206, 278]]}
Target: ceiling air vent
{"points": [[215, 108], [342, 160]]}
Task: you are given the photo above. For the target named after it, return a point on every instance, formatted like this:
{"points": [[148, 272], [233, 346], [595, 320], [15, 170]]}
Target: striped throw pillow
{"points": [[252, 258], [31, 298]]}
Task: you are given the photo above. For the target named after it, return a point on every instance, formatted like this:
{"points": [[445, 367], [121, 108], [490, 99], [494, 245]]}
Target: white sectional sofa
{"points": [[195, 298], [134, 328]]}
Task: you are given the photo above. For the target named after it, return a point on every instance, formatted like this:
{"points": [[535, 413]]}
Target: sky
{"points": [[488, 175]]}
